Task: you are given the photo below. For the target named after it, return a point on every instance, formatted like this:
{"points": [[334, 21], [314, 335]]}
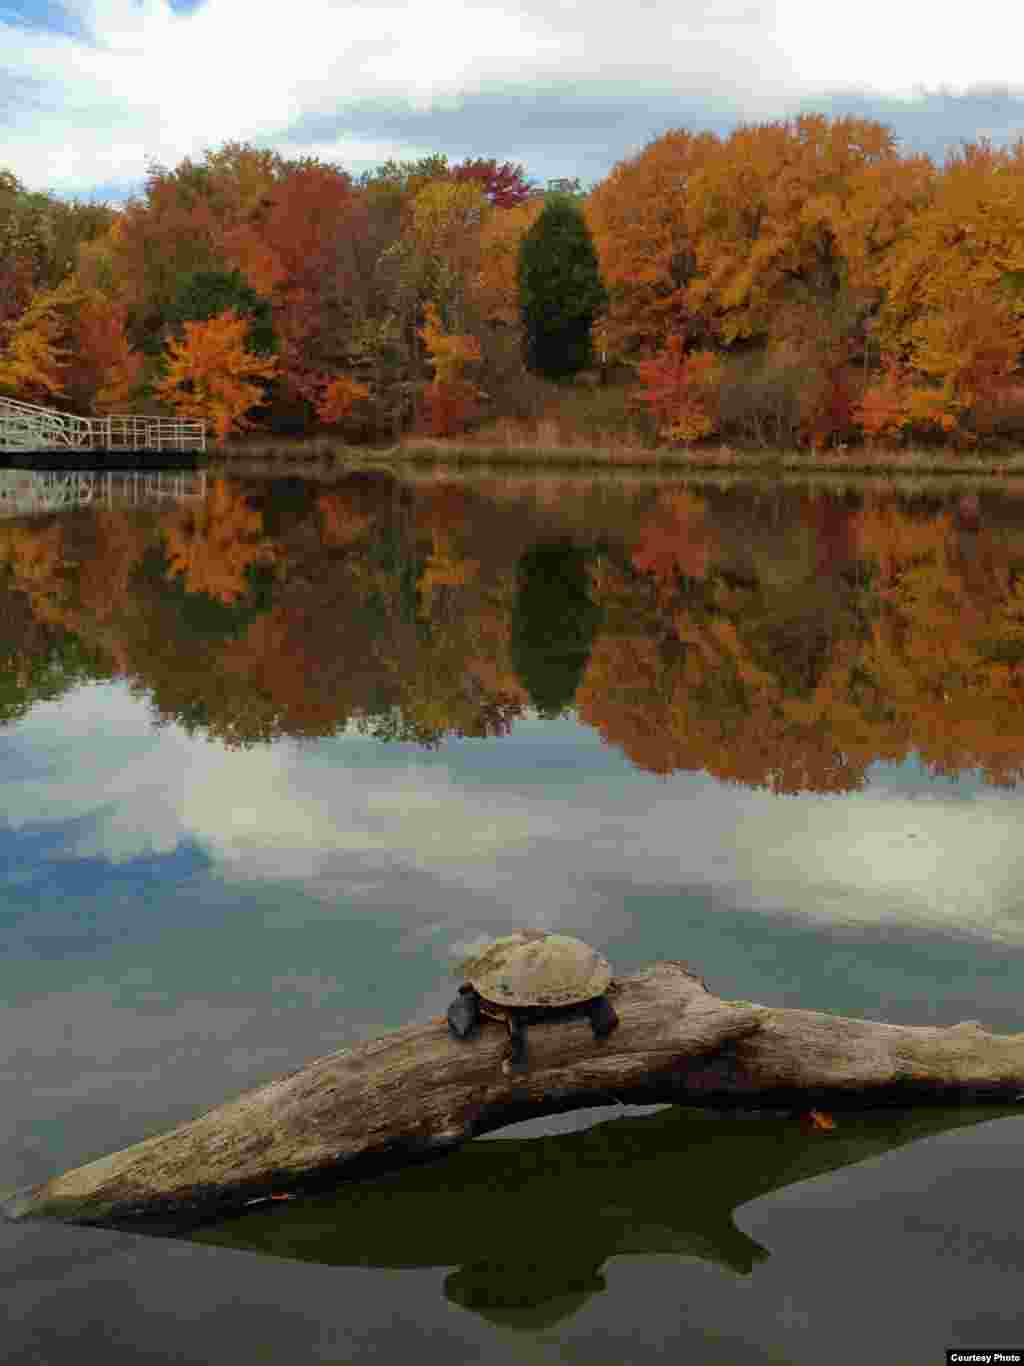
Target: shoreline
{"points": [[323, 453], [720, 460]]}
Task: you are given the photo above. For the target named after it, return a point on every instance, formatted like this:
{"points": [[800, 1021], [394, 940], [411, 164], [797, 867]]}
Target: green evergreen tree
{"points": [[560, 290], [200, 296], [205, 294]]}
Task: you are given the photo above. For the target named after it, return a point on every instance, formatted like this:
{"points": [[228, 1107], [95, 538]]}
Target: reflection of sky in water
{"points": [[534, 826], [180, 921]]}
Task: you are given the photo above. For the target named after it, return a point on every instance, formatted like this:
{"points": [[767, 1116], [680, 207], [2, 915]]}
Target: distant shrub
{"points": [[608, 411], [761, 399], [1001, 416]]}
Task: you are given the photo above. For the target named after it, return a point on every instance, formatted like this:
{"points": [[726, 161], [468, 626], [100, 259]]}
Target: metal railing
{"points": [[28, 427]]}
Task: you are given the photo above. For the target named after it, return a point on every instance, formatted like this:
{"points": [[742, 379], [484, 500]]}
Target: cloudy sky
{"points": [[91, 90]]}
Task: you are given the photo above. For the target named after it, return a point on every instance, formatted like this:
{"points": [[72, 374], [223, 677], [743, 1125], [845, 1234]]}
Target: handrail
{"points": [[28, 426]]}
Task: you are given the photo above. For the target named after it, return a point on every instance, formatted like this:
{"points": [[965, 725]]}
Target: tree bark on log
{"points": [[418, 1093]]}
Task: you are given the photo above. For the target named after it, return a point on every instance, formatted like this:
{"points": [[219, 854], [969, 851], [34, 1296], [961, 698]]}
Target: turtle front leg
{"points": [[464, 1012], [603, 1018], [515, 1055]]}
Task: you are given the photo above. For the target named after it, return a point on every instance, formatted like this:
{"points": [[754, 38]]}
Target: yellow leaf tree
{"points": [[449, 396], [493, 286], [952, 308], [766, 215], [209, 373], [212, 544], [71, 342], [752, 236], [32, 364], [445, 228]]}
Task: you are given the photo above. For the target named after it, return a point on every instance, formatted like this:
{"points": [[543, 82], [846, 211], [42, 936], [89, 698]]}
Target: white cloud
{"points": [[153, 84], [899, 48], [871, 858], [341, 825], [273, 812]]}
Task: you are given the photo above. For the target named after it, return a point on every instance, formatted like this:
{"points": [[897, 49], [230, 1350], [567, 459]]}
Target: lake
{"points": [[276, 751]]}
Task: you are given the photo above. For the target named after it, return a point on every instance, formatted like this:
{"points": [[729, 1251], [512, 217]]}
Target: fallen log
{"points": [[418, 1093]]}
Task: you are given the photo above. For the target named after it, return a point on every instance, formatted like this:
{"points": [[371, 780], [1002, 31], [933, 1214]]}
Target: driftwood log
{"points": [[418, 1093]]}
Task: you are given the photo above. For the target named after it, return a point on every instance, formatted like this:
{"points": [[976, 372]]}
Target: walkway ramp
{"points": [[30, 429]]}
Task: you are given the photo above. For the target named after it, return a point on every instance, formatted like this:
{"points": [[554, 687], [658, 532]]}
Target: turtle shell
{"points": [[533, 968]]}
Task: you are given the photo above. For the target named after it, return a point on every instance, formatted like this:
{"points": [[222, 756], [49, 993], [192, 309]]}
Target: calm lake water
{"points": [[274, 752]]}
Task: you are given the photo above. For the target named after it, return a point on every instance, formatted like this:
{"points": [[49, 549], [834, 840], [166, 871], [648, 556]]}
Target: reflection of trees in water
{"points": [[55, 662], [785, 640], [553, 623], [528, 1224]]}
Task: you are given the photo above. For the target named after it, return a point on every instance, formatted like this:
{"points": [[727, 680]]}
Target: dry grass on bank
{"points": [[722, 460], [577, 426], [852, 460]]}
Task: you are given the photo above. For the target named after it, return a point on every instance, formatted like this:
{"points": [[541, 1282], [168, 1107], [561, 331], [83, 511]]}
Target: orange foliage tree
{"points": [[951, 309], [209, 373], [676, 539], [283, 239], [972, 345], [170, 234], [111, 370], [71, 342], [765, 213], [339, 397], [32, 365], [493, 287], [680, 390], [212, 544], [747, 237], [644, 247], [895, 406], [179, 226], [15, 285], [787, 239], [450, 396], [300, 249]]}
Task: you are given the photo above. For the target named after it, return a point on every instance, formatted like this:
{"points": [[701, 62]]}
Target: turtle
{"points": [[530, 975]]}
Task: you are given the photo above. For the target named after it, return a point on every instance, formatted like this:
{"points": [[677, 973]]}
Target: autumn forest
{"points": [[792, 284]]}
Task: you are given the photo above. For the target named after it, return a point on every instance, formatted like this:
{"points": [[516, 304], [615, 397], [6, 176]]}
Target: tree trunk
{"points": [[418, 1093]]}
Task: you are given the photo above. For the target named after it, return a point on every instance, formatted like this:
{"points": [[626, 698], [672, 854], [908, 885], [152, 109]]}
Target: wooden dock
{"points": [[46, 438]]}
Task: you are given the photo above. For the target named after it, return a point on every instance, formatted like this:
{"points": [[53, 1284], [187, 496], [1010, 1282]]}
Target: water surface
{"points": [[273, 752]]}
